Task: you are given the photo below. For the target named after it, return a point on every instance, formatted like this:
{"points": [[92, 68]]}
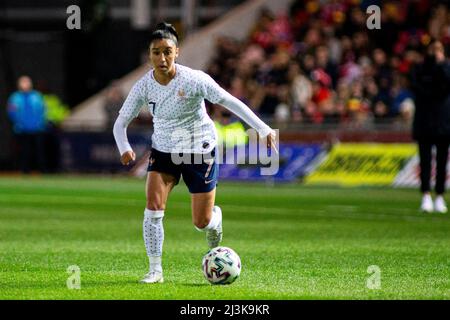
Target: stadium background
{"points": [[337, 91], [294, 62]]}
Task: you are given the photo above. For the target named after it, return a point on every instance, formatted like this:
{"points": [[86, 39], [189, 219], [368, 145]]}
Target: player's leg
{"points": [[163, 175], [207, 217], [425, 152], [441, 175], [201, 179], [158, 188]]}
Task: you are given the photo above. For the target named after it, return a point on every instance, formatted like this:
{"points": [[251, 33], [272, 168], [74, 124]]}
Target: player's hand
{"points": [[272, 141], [127, 157]]}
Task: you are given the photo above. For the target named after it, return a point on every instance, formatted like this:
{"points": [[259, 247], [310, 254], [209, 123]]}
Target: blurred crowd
{"points": [[321, 64]]}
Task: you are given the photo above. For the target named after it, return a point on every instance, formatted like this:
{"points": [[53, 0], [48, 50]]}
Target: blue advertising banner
{"points": [[295, 161], [97, 151]]}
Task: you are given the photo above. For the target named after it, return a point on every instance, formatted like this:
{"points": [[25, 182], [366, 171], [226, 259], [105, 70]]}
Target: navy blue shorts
{"points": [[199, 172]]}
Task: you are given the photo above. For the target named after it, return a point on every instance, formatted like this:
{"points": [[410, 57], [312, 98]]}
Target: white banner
{"points": [[409, 176]]}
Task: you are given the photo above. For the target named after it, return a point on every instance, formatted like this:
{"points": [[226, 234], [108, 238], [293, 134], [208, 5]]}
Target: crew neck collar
{"points": [[177, 70]]}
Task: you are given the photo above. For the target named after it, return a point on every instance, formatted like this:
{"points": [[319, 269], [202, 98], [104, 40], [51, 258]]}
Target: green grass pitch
{"points": [[295, 242]]}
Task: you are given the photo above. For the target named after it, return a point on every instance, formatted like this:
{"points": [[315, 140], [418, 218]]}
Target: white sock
{"points": [[216, 218], [155, 263], [427, 197], [153, 231]]}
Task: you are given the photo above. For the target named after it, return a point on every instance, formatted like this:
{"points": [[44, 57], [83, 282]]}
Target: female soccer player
{"points": [[174, 95]]}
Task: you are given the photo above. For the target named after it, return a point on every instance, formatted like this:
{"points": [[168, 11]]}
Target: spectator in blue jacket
{"points": [[26, 110]]}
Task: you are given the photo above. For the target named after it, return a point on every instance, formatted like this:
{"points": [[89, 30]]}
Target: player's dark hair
{"points": [[164, 30]]}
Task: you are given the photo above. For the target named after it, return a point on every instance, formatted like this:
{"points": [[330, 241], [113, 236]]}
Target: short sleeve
{"points": [[135, 100], [210, 89]]}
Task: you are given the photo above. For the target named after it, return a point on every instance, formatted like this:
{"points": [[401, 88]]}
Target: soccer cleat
{"points": [[427, 204], [439, 205], [153, 277], [214, 237]]}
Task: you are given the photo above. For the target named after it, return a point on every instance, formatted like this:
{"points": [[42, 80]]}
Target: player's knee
{"points": [[156, 205], [200, 222]]}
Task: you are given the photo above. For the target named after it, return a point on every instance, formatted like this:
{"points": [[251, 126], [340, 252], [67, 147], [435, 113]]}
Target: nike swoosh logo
{"points": [[208, 181]]}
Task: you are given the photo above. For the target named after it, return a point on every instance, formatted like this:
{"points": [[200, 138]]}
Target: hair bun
{"points": [[163, 26], [167, 27]]}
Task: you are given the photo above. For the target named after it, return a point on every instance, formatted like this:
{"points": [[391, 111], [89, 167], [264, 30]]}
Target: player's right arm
{"points": [[130, 110]]}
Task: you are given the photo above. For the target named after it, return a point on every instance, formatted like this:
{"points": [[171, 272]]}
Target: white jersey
{"points": [[180, 120]]}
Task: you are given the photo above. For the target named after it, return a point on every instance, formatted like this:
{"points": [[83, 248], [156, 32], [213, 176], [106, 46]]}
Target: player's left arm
{"points": [[216, 94], [245, 113]]}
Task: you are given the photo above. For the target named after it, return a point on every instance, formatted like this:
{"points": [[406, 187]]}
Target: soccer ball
{"points": [[221, 265]]}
